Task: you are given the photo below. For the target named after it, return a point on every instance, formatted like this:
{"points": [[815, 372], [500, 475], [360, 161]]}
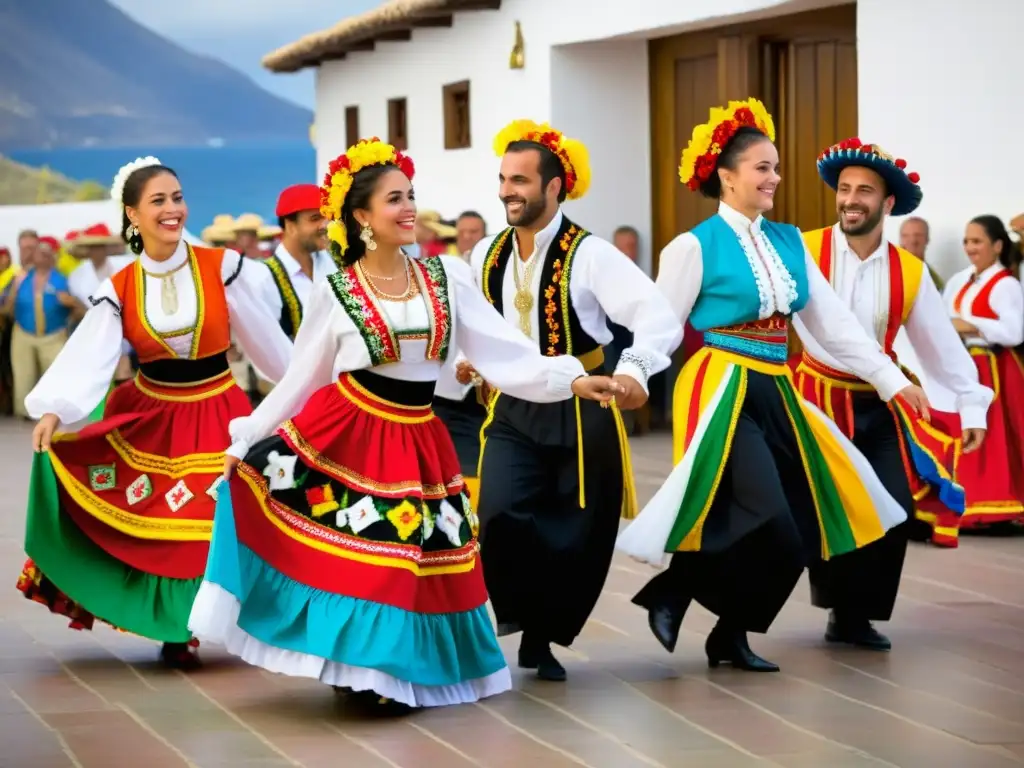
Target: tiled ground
{"points": [[951, 694]]}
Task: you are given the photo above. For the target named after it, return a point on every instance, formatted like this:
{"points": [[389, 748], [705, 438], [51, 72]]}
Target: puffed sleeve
{"points": [[258, 331], [503, 356], [632, 300], [311, 368], [680, 272], [1007, 301], [80, 377], [835, 328]]}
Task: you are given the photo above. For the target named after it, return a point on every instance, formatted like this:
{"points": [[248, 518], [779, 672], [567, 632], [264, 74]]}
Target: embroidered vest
{"points": [[905, 272], [211, 333], [382, 342], [728, 291], [982, 304], [555, 313], [291, 307]]}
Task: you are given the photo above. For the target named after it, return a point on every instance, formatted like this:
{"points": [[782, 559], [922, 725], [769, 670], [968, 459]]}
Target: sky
{"points": [[240, 34]]}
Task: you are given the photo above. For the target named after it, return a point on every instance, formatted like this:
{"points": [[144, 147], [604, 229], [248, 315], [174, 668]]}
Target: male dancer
{"points": [[555, 478], [887, 288]]}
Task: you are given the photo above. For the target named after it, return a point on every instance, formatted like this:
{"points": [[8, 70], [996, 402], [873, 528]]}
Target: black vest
{"points": [[291, 307], [560, 329]]}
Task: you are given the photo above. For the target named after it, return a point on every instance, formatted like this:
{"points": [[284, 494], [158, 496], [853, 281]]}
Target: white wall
{"points": [[942, 90]]}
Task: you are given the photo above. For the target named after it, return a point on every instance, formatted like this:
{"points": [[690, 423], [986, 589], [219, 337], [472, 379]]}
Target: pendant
{"points": [[523, 301], [168, 295]]}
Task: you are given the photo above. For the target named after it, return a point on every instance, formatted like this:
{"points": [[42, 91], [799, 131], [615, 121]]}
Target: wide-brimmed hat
{"points": [[903, 186], [268, 232], [97, 234], [432, 220], [248, 222], [222, 230]]}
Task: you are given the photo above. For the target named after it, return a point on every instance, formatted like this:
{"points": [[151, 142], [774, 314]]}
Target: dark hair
{"points": [[363, 184], [471, 215], [625, 229], [550, 166], [131, 196], [744, 138], [1009, 255], [292, 217]]}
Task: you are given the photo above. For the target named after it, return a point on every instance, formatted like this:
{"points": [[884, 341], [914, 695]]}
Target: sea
{"points": [[229, 178]]}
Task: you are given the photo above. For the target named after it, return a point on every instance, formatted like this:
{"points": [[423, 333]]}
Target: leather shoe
{"points": [[731, 647], [549, 668], [856, 633], [665, 624]]}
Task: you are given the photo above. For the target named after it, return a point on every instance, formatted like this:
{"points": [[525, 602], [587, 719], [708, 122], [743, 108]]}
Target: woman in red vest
{"points": [[120, 514], [986, 302]]}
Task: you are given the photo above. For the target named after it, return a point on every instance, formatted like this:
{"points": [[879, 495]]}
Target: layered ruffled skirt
{"points": [[346, 552], [120, 514]]}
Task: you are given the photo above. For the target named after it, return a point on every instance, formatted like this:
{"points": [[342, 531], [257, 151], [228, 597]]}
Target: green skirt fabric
{"points": [[155, 607]]}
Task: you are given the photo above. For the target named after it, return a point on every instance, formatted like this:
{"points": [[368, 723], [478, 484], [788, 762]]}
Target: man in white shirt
{"points": [[887, 288], [555, 478]]}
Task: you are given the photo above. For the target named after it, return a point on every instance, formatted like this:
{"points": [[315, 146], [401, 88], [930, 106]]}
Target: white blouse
{"points": [[85, 279], [863, 286], [330, 343], [824, 317], [80, 376], [1006, 300], [604, 284]]}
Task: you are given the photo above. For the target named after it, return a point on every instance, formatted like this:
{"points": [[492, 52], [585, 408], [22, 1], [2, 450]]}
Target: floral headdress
{"points": [[700, 158], [571, 153], [338, 182], [901, 185], [121, 178]]}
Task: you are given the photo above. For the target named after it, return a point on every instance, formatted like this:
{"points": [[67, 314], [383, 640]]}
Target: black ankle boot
{"points": [[665, 623], [855, 632], [180, 656], [728, 646], [535, 654]]}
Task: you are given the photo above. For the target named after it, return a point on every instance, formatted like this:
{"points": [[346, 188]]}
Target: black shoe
{"points": [[725, 646], [665, 624], [549, 668], [858, 633], [179, 656], [529, 653]]}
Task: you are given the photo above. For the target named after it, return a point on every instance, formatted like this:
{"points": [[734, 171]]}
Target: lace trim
{"points": [[640, 361], [776, 288]]}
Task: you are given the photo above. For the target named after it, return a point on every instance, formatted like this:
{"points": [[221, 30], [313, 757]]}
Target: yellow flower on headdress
{"points": [[338, 183], [572, 153], [700, 158]]}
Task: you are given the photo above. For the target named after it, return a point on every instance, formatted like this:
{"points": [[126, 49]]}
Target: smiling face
{"points": [[522, 191], [751, 184], [861, 201], [161, 212], [981, 250], [391, 211]]}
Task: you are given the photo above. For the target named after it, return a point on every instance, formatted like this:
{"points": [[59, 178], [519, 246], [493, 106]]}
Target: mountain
{"points": [[21, 185], [82, 73]]}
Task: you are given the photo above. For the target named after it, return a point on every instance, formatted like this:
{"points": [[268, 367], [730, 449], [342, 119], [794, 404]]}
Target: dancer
{"points": [[986, 303], [886, 288], [764, 483], [346, 550], [555, 478], [120, 514]]}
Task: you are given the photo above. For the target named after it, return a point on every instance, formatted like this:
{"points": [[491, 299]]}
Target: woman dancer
{"points": [[120, 514], [986, 302], [764, 484], [346, 550]]}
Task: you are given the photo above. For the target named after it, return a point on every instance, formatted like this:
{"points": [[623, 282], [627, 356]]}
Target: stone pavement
{"points": [[951, 694]]}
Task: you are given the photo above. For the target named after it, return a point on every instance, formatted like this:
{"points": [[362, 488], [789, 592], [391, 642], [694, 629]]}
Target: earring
{"points": [[131, 231], [366, 235]]}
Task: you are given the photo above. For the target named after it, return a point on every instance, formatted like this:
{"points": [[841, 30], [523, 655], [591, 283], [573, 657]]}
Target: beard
{"points": [[314, 243], [532, 210], [871, 220]]}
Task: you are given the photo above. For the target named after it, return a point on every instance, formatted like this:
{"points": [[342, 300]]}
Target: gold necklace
{"points": [[411, 288], [523, 301], [168, 288]]}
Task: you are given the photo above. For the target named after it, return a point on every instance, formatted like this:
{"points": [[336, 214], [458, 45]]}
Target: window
{"points": [[351, 126], [398, 131], [456, 115]]}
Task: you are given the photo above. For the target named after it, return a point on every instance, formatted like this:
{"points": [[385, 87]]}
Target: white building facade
{"points": [[937, 84]]}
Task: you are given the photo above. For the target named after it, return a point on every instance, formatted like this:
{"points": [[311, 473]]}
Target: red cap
{"points": [[300, 197], [50, 241]]}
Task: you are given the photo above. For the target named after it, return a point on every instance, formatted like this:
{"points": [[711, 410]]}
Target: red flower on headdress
{"points": [[914, 177]]}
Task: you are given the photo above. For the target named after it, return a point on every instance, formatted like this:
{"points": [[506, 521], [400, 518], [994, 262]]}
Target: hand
{"points": [[963, 327], [42, 434], [633, 395], [66, 299], [916, 399], [971, 439], [600, 388], [486, 391], [230, 462], [466, 373]]}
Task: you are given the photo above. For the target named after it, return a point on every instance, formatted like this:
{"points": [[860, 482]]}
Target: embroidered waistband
{"points": [[184, 393], [392, 399], [765, 341], [185, 373]]}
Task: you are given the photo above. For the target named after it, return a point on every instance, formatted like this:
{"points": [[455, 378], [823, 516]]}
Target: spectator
{"points": [[470, 229]]}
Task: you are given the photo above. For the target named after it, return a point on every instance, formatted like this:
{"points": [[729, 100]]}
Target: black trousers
{"points": [[863, 584], [464, 420], [546, 558]]}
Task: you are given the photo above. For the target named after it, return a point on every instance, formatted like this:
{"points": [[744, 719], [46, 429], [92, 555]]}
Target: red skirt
{"points": [[361, 495], [993, 475], [141, 483]]}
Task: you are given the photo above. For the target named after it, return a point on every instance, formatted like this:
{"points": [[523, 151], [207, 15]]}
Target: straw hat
{"points": [[268, 232], [432, 221], [222, 230], [97, 234], [248, 222]]}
